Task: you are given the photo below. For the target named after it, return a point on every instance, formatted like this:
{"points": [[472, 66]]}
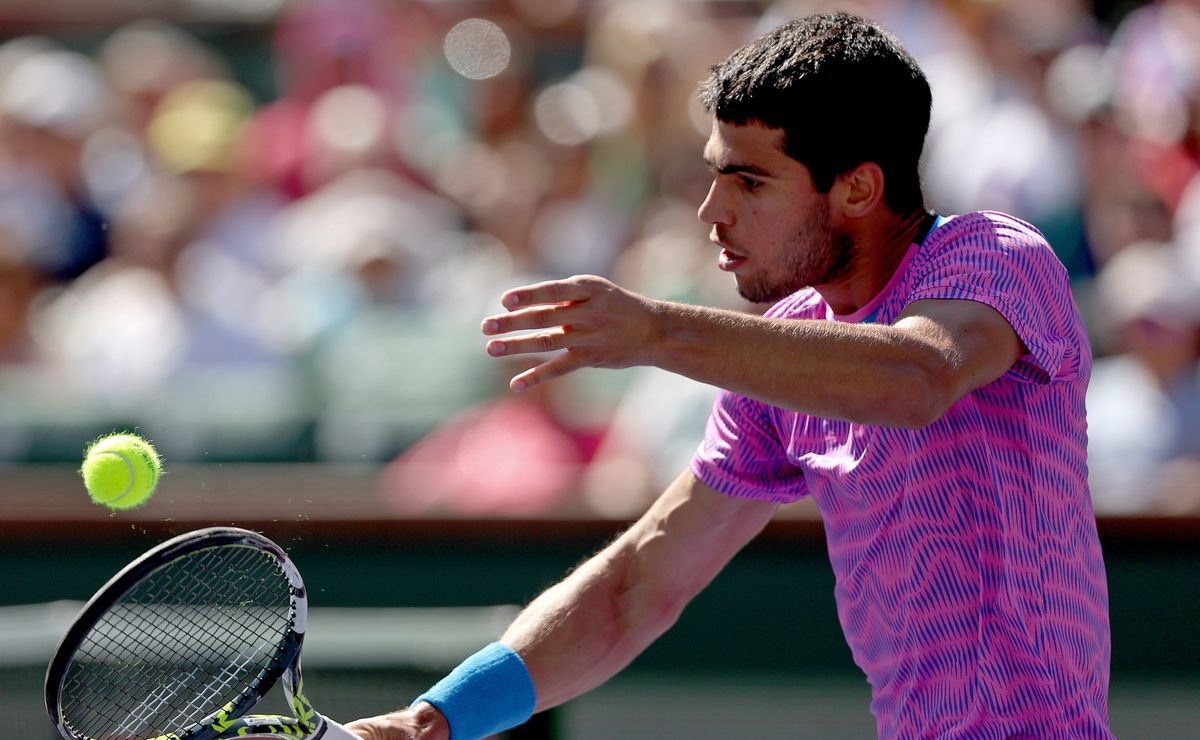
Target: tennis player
{"points": [[921, 377]]}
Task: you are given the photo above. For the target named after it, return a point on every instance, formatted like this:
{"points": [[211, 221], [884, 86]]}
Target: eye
{"points": [[749, 183]]}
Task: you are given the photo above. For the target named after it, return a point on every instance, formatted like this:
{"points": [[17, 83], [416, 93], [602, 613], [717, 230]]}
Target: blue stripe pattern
{"points": [[970, 581]]}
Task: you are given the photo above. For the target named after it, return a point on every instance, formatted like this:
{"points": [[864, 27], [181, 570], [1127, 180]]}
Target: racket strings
{"points": [[204, 677], [192, 637]]}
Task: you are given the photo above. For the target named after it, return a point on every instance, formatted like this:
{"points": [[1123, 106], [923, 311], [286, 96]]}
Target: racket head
{"points": [[181, 642]]}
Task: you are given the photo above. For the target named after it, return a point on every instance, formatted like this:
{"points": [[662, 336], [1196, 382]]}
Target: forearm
{"points": [[582, 631], [865, 373], [572, 638]]}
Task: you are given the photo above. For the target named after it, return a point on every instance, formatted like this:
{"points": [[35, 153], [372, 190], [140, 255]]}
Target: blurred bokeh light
{"points": [[267, 231]]}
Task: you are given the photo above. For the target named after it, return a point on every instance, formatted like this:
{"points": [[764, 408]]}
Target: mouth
{"points": [[729, 261]]}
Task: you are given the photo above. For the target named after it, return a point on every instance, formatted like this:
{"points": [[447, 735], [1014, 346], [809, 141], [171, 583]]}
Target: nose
{"points": [[713, 211]]}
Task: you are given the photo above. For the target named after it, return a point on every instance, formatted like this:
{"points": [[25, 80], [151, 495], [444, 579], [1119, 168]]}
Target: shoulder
{"points": [[988, 230], [995, 240], [805, 303], [1004, 262]]}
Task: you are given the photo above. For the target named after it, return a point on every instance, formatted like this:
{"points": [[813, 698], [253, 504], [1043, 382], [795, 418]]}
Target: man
{"points": [[921, 378]]}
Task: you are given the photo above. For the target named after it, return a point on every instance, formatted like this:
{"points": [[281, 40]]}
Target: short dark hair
{"points": [[843, 90]]}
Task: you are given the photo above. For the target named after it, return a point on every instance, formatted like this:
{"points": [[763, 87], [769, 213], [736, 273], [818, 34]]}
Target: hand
{"points": [[596, 322], [420, 722]]}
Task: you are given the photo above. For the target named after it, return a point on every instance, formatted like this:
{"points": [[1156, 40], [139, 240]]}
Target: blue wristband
{"points": [[489, 692]]}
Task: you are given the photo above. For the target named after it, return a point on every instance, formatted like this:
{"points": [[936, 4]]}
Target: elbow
{"points": [[644, 604], [648, 613], [919, 415], [928, 391]]}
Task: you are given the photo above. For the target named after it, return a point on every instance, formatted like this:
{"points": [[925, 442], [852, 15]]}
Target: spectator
{"points": [[51, 101], [1144, 399]]}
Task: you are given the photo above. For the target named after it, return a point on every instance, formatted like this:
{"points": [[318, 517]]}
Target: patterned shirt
{"points": [[970, 581]]}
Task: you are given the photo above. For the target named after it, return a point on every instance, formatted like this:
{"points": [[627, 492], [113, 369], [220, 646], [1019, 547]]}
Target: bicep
{"points": [[978, 342]]}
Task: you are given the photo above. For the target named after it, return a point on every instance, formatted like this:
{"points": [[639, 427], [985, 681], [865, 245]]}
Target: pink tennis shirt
{"points": [[970, 582]]}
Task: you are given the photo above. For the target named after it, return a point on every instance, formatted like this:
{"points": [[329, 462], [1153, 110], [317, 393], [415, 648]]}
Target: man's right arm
{"points": [[583, 630]]}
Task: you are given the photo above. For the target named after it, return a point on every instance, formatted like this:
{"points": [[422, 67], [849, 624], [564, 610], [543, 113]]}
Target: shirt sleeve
{"points": [[1005, 263], [743, 454]]}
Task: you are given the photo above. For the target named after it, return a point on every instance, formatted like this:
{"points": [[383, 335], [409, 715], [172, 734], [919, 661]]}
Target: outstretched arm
{"points": [[585, 629], [906, 374], [582, 631]]}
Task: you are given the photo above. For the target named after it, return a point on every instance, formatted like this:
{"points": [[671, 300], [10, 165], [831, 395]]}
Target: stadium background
{"points": [[263, 232]]}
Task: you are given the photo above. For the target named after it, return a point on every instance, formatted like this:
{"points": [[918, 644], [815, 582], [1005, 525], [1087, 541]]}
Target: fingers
{"points": [[546, 341], [406, 724], [572, 289], [537, 317], [553, 368], [363, 729], [557, 319], [565, 309]]}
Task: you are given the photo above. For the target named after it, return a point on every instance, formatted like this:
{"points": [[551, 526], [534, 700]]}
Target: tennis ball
{"points": [[121, 471]]}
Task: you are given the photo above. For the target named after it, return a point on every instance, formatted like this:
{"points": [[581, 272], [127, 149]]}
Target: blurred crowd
{"points": [[298, 273]]}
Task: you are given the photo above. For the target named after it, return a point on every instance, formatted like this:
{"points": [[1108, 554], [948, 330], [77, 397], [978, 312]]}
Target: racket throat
{"points": [[293, 689]]}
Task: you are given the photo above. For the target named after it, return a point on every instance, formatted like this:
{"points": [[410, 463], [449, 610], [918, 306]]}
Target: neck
{"points": [[877, 254]]}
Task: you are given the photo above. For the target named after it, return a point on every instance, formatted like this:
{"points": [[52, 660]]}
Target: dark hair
{"points": [[843, 90]]}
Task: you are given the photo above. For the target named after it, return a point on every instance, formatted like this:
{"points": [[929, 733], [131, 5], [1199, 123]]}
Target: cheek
{"points": [[769, 215], [782, 223]]}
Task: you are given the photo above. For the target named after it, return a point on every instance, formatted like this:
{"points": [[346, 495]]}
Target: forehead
{"points": [[756, 142]]}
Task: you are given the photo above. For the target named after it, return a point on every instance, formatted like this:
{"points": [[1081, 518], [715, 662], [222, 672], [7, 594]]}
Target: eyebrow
{"points": [[736, 169]]}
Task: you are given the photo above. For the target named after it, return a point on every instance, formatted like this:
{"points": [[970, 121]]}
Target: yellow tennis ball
{"points": [[121, 471]]}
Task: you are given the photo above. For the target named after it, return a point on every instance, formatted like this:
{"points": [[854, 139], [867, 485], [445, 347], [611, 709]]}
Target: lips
{"points": [[728, 261]]}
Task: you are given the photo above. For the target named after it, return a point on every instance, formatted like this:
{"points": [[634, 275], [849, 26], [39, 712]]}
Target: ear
{"points": [[860, 191]]}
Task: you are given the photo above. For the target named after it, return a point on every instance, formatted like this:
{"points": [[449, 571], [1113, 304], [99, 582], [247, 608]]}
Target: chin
{"points": [[758, 293]]}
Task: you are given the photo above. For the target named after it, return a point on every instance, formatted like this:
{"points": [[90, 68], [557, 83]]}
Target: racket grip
{"points": [[334, 731]]}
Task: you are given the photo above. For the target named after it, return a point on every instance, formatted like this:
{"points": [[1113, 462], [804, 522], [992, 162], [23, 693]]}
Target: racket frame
{"points": [[231, 719]]}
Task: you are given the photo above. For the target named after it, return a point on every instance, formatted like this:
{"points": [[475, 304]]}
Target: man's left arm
{"points": [[905, 375]]}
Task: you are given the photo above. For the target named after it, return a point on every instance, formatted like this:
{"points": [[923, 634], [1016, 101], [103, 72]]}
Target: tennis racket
{"points": [[183, 642]]}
